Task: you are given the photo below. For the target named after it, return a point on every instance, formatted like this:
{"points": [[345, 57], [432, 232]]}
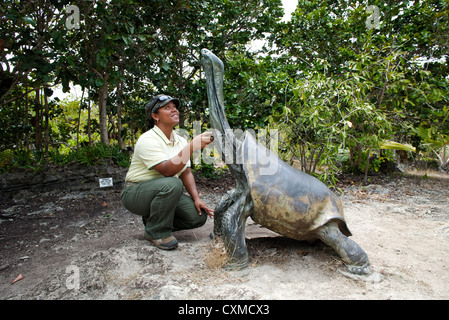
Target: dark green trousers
{"points": [[163, 206]]}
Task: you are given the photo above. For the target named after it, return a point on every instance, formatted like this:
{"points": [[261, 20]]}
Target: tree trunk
{"points": [[79, 120], [120, 142], [46, 136], [89, 130], [27, 120], [37, 121], [102, 97]]}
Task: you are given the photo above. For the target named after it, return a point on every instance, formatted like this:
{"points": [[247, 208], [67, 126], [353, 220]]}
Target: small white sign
{"points": [[105, 182]]}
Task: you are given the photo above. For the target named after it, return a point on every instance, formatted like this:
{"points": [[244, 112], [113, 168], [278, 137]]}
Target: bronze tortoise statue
{"points": [[275, 195]]}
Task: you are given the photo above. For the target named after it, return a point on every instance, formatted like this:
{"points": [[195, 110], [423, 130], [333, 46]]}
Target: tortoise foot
{"points": [[359, 270], [234, 265]]}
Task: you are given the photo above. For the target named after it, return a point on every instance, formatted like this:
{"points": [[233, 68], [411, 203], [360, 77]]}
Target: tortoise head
{"points": [[211, 62]]}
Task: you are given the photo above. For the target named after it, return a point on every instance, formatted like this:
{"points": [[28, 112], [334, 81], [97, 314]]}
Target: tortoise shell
{"points": [[286, 200]]}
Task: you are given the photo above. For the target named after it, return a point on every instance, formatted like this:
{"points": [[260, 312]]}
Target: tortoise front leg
{"points": [[355, 259], [233, 232], [226, 201]]}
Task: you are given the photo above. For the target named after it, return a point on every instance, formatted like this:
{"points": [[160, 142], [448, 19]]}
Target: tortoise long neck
{"points": [[228, 146], [214, 85]]}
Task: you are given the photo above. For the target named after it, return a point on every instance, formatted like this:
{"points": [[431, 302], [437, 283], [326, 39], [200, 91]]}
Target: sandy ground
{"points": [[87, 246]]}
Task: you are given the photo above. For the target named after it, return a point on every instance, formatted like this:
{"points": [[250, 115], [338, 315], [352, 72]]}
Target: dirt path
{"points": [[86, 246]]}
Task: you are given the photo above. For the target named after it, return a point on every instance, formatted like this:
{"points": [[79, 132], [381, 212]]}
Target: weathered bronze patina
{"points": [[275, 195]]}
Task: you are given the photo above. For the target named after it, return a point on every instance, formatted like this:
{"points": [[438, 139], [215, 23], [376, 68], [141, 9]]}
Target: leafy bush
{"points": [[86, 155]]}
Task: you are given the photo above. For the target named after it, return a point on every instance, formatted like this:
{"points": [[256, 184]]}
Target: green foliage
{"points": [[98, 153], [336, 89], [254, 88], [326, 116], [123, 53], [437, 142], [206, 170], [359, 87], [86, 155]]}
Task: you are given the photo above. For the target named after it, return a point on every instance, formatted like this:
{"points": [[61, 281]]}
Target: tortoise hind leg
{"points": [[355, 259], [233, 232]]}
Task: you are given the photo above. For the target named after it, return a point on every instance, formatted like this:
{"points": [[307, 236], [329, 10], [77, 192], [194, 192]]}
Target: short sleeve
{"points": [[151, 152]]}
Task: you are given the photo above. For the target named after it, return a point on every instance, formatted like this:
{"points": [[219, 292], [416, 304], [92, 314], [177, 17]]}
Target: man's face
{"points": [[167, 114]]}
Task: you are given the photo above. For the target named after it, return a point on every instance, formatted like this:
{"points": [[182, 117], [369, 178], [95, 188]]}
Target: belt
{"points": [[130, 183]]}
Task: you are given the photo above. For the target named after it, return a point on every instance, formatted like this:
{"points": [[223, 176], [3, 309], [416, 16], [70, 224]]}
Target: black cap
{"points": [[159, 101]]}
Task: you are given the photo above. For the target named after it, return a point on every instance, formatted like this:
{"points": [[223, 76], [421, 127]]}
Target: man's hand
{"points": [[202, 140], [199, 204]]}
